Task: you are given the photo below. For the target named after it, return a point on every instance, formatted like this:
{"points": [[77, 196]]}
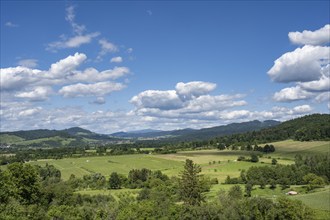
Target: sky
{"points": [[111, 66]]}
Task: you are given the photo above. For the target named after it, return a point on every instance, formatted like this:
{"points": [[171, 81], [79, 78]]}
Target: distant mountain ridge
{"points": [[202, 134], [310, 127]]}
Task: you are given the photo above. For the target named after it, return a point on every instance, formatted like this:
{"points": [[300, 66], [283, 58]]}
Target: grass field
{"points": [[107, 164], [290, 148], [317, 200], [172, 164]]}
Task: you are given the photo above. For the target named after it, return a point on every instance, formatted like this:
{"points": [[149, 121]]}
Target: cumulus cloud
{"points": [[29, 63], [37, 94], [14, 78], [193, 89], [318, 37], [323, 97], [323, 84], [65, 66], [189, 101], [116, 60], [302, 109], [95, 89], [36, 85], [93, 75], [292, 94], [164, 100], [302, 65], [307, 67]]}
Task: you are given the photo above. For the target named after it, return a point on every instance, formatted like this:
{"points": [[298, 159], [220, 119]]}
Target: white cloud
{"points": [[235, 114], [11, 24], [99, 101], [307, 67], [188, 101], [323, 97], [302, 109], [116, 60], [67, 65], [37, 94], [193, 89], [211, 103], [37, 85], [93, 75], [318, 37], [106, 47], [29, 63], [292, 94], [29, 112], [323, 84], [302, 65], [70, 17], [157, 99], [96, 89], [16, 78], [73, 42], [79, 38]]}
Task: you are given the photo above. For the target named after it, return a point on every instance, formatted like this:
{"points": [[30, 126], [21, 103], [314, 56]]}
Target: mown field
{"points": [[214, 163], [289, 148]]}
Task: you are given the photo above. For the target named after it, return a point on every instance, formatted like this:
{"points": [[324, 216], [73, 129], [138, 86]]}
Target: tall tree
{"points": [[114, 181], [190, 184]]}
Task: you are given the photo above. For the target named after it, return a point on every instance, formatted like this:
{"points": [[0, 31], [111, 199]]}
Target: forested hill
{"points": [[201, 134], [307, 128], [53, 138], [234, 128]]}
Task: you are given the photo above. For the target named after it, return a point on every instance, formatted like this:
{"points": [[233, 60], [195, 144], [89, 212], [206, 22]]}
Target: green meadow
{"points": [[290, 148], [214, 163]]}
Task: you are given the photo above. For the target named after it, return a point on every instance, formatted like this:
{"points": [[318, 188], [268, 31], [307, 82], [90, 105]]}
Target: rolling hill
{"points": [[311, 127]]}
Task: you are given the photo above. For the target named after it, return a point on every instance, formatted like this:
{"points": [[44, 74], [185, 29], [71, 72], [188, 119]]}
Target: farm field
{"points": [[214, 163], [170, 164], [107, 164], [290, 148]]}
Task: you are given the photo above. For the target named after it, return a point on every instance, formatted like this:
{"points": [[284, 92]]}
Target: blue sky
{"points": [[121, 65]]}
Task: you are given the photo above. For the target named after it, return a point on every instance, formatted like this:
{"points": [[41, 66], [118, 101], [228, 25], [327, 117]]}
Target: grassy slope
{"points": [[7, 138], [290, 148], [63, 141]]}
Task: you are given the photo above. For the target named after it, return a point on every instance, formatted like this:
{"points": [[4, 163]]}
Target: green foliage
{"points": [[274, 161], [313, 181], [292, 209], [190, 184], [115, 181], [26, 182], [254, 158], [235, 192]]}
